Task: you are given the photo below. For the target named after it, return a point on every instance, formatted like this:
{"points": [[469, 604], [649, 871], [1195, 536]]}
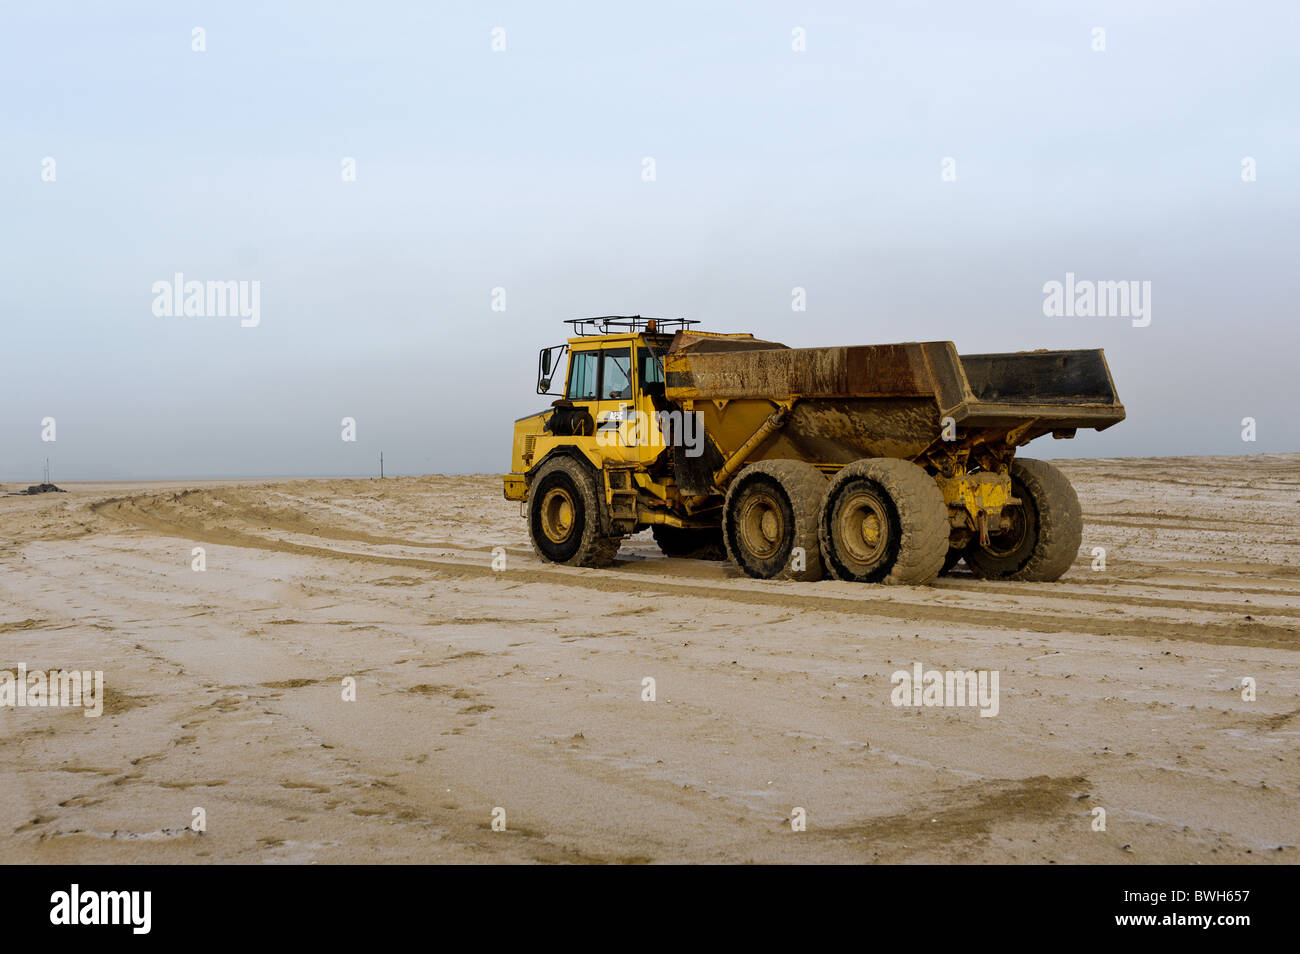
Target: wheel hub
{"points": [[761, 526], [1011, 532], [863, 527], [557, 515]]}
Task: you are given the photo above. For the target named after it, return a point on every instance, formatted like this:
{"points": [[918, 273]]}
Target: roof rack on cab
{"points": [[616, 324]]}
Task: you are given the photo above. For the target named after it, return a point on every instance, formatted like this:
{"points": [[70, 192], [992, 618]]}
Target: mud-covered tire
{"points": [[884, 521], [771, 508], [564, 516], [951, 560], [1041, 535], [690, 543]]}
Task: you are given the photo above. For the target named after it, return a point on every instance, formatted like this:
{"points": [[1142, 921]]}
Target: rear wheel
{"points": [[770, 513], [564, 516], [689, 542], [1039, 537], [884, 521]]}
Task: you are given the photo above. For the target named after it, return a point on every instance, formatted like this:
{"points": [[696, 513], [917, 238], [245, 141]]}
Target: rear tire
{"points": [[884, 521], [771, 508], [1040, 537], [564, 516], [690, 543]]}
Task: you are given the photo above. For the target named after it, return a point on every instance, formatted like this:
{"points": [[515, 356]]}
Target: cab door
{"points": [[577, 418], [616, 429]]}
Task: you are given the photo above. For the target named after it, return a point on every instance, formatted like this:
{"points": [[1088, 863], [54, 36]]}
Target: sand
{"points": [[521, 689]]}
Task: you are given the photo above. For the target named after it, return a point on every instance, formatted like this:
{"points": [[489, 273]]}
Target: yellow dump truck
{"points": [[873, 463]]}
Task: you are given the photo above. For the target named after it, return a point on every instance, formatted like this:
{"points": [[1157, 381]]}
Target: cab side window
{"points": [[616, 375], [582, 376], [652, 371]]}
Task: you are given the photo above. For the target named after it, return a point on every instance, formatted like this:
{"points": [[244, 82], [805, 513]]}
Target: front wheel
{"points": [[1038, 538], [564, 516]]}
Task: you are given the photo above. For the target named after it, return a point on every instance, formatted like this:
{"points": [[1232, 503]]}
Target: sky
{"points": [[128, 156]]}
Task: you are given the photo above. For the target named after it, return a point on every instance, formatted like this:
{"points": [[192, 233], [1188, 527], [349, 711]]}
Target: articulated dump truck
{"points": [[871, 463]]}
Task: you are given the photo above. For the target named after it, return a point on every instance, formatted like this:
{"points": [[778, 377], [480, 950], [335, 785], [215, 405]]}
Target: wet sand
{"points": [[521, 689]]}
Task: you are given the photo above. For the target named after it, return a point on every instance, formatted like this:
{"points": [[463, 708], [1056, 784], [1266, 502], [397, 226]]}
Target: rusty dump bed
{"points": [[890, 400]]}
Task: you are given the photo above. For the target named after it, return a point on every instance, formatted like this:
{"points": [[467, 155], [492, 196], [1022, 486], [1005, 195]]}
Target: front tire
{"points": [[1039, 537], [564, 516]]}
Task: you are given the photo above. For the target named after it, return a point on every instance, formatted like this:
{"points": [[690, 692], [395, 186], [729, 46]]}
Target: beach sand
{"points": [[521, 689]]}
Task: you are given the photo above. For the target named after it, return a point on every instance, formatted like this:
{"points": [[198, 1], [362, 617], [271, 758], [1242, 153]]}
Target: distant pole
{"points": [[381, 465]]}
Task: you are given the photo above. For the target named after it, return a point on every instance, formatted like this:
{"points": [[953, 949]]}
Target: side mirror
{"points": [[548, 362]]}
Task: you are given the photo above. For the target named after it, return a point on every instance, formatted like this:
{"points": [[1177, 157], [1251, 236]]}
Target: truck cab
{"points": [[605, 402]]}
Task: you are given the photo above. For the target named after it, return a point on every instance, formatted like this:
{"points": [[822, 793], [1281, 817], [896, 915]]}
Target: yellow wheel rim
{"points": [[558, 514], [863, 526], [761, 525]]}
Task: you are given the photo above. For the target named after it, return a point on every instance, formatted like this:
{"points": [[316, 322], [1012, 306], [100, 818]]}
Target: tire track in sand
{"points": [[180, 515]]}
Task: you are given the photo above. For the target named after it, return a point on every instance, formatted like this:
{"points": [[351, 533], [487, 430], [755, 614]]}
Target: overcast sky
{"points": [[523, 169]]}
